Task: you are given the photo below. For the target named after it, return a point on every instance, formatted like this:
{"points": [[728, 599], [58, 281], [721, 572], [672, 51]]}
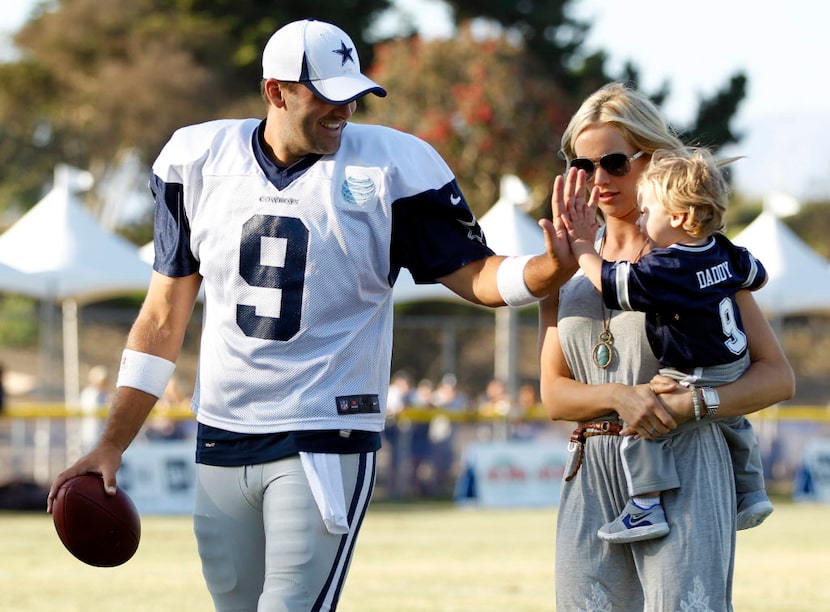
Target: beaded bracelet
{"points": [[696, 403]]}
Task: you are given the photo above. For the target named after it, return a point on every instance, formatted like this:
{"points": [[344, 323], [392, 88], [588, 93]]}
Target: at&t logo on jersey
{"points": [[358, 189]]}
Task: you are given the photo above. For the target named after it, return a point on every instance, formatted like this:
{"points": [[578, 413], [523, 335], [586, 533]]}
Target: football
{"points": [[99, 529]]}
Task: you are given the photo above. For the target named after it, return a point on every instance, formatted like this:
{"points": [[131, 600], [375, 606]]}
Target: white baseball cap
{"points": [[322, 57]]}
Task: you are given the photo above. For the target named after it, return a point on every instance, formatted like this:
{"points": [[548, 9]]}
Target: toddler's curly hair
{"points": [[689, 182]]}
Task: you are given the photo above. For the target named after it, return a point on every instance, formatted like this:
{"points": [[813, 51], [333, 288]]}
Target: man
{"points": [[298, 225]]}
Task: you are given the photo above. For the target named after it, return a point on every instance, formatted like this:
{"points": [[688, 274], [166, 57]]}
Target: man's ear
{"points": [[272, 90]]}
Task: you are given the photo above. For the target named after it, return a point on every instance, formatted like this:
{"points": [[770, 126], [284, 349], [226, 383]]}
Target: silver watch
{"points": [[711, 400]]}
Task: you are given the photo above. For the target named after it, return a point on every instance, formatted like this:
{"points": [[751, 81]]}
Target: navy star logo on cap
{"points": [[345, 53]]}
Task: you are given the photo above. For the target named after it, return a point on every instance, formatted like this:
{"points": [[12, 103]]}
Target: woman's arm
{"points": [[770, 378], [568, 400]]}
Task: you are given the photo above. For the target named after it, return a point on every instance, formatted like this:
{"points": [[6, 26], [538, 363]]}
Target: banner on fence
{"points": [[160, 476], [511, 474]]}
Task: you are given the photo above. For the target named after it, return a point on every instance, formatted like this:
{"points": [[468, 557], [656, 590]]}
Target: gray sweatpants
{"points": [[650, 465], [262, 540]]}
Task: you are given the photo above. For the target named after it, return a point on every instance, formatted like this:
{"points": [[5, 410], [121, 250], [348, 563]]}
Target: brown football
{"points": [[99, 529]]}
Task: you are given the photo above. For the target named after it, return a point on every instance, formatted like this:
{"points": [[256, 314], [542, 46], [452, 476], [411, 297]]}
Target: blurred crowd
{"points": [[165, 423], [424, 421]]}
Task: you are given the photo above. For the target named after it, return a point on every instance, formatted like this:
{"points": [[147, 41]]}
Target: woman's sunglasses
{"points": [[615, 164]]}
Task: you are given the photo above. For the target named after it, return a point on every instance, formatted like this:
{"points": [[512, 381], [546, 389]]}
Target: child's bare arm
{"points": [[581, 222]]}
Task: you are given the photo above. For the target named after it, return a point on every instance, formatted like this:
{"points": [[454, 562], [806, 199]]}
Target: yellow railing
{"points": [[415, 414], [793, 413], [57, 410]]}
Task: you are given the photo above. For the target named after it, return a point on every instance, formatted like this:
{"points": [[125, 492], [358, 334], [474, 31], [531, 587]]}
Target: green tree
{"points": [[487, 111], [102, 77], [812, 225], [712, 126], [492, 110], [548, 33], [551, 35], [99, 78], [248, 23]]}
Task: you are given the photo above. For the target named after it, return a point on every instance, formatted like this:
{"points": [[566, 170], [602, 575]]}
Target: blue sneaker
{"points": [[753, 509], [635, 524]]}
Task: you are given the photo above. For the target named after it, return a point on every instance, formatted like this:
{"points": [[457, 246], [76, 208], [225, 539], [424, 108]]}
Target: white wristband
{"points": [[144, 372], [510, 280]]}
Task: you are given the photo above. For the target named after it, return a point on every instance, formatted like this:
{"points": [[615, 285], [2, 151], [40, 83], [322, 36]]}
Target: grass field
{"points": [[411, 558]]}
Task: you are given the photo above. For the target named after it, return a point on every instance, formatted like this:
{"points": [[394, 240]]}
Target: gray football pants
{"points": [[262, 541]]}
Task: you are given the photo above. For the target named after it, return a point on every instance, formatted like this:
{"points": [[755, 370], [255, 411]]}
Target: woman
{"points": [[597, 367]]}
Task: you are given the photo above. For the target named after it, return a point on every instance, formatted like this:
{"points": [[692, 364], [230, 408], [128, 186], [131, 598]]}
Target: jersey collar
{"points": [[278, 176]]}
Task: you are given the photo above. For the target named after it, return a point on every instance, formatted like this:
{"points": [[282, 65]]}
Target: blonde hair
{"points": [[636, 117], [689, 182]]}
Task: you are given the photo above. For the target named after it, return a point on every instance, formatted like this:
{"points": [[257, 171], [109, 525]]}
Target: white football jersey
{"points": [[298, 266]]}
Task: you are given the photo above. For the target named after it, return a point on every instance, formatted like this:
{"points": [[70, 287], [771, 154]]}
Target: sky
{"points": [[697, 47]]}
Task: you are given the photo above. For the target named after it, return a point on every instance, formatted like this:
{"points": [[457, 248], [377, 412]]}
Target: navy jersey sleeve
{"points": [[745, 266], [171, 231], [434, 233], [665, 279], [175, 184], [614, 277], [646, 285]]}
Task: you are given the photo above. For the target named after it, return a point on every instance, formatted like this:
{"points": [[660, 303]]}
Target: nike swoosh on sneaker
{"points": [[638, 519]]}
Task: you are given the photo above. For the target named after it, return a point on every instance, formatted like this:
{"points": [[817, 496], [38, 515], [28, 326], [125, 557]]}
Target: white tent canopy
{"points": [[799, 278], [70, 258], [509, 230], [61, 245], [13, 280], [406, 290]]}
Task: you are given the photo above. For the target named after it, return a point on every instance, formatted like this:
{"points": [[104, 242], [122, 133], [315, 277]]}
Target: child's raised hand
{"points": [[580, 217]]}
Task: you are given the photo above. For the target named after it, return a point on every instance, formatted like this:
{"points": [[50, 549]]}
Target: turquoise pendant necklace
{"points": [[603, 351]]}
